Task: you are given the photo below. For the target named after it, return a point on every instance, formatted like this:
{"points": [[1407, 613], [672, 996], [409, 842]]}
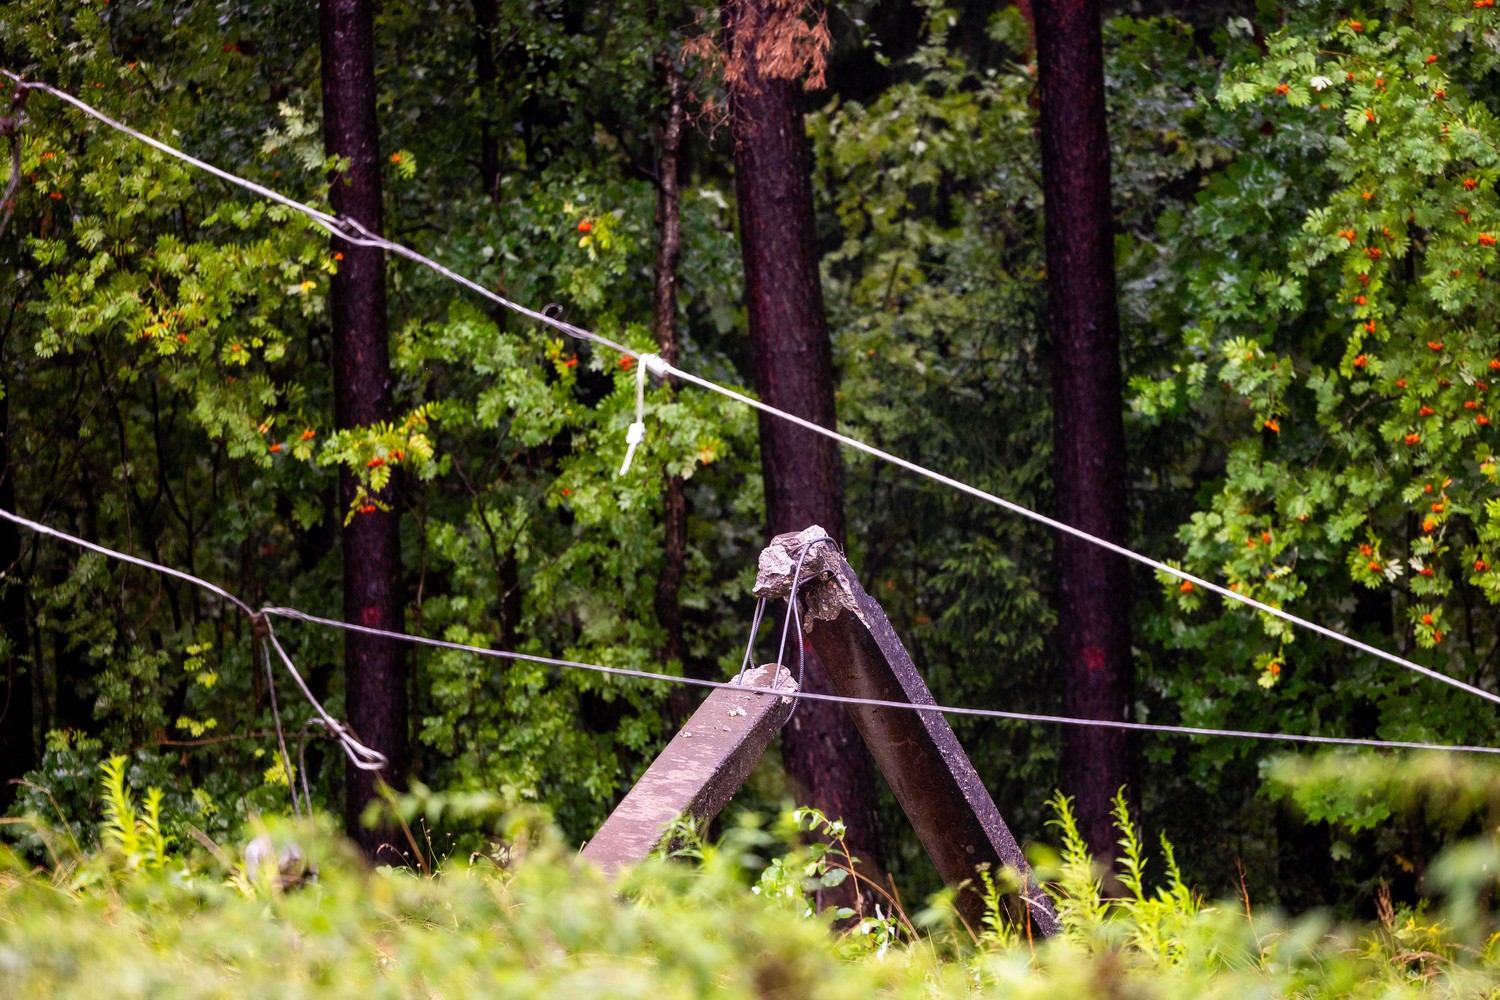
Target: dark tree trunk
{"points": [[668, 252], [486, 74], [1093, 634], [17, 738], [375, 671], [794, 372]]}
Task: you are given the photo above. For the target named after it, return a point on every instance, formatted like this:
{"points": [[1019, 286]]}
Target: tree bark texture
{"points": [[793, 362], [668, 253], [1093, 634], [375, 670], [17, 737], [486, 73]]}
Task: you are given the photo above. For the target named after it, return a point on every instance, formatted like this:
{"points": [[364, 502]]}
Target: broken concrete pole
{"points": [[699, 771], [933, 780]]}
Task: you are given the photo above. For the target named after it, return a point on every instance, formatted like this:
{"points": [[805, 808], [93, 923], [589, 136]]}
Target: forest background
{"points": [[1303, 230]]}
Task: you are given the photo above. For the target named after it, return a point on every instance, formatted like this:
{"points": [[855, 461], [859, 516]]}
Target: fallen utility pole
{"points": [[699, 771], [927, 769]]}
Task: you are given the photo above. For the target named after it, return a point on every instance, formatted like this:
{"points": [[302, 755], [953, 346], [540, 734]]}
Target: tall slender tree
{"points": [[375, 671], [17, 744], [668, 253], [793, 362], [1093, 634]]}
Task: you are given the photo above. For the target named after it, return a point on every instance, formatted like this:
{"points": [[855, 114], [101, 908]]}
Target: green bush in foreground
{"points": [[527, 919]]}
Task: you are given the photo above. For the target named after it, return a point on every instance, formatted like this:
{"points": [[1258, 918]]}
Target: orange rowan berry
{"points": [[1430, 59], [585, 226], [275, 447], [308, 433], [1186, 587], [1482, 420], [1356, 26], [1373, 253], [395, 157], [1436, 345], [375, 462], [1486, 239], [1349, 234], [1369, 114], [1437, 638], [368, 508], [1401, 383], [1273, 668], [1429, 524], [1425, 571], [1374, 567], [1413, 438], [1282, 88], [1361, 360], [1437, 508], [1426, 411], [1360, 300], [1367, 195], [1470, 183], [627, 363], [1427, 619], [1426, 487], [1480, 566], [1273, 426], [1438, 95]]}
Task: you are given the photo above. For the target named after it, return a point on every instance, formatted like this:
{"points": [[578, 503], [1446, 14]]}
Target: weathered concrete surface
{"points": [[927, 769], [698, 772]]}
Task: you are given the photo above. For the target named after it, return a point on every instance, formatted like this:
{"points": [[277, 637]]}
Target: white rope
{"points": [[341, 228]]}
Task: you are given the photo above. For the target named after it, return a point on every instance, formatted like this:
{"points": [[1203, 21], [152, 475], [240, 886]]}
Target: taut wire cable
{"points": [[362, 756], [346, 229], [366, 759]]}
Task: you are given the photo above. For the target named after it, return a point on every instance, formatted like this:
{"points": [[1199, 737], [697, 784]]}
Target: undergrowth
{"points": [[298, 914]]}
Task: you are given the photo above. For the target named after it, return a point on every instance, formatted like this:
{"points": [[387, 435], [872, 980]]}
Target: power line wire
{"points": [[352, 232]]}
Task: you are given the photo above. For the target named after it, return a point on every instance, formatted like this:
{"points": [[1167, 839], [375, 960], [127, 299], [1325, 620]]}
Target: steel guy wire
{"points": [[794, 614], [264, 650], [988, 713], [362, 756], [366, 759], [345, 228], [348, 230]]}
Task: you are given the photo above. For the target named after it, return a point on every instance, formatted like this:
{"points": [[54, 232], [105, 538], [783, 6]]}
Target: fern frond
{"points": [[154, 842], [120, 828]]}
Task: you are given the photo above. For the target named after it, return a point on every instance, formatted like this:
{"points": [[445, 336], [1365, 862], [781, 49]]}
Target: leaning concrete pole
{"points": [[700, 770], [933, 780]]}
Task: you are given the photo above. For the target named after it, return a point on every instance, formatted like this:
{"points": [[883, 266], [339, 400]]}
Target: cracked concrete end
{"points": [[829, 591]]}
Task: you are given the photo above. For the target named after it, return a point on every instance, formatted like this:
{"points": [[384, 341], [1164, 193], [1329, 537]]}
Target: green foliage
{"points": [[527, 919]]}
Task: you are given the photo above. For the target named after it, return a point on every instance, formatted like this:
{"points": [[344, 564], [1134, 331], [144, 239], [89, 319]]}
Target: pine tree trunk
{"points": [[375, 670], [794, 371], [17, 739], [1093, 635], [668, 253]]}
